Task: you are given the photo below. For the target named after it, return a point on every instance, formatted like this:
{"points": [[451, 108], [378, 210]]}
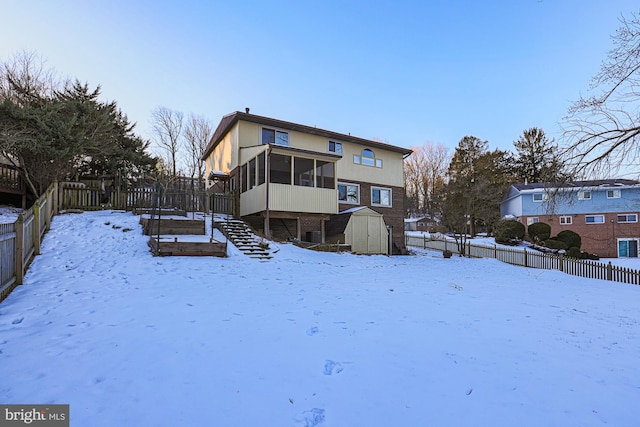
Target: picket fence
{"points": [[531, 258], [20, 240]]}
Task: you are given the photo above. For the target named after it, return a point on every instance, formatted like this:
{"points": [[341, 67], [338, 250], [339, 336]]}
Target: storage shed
{"points": [[362, 228]]}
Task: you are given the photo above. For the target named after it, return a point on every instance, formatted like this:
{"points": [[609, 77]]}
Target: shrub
{"points": [[574, 252], [509, 230], [539, 231], [555, 244], [570, 238]]}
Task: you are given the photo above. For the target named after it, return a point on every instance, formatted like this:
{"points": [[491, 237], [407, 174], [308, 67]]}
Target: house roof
{"points": [[579, 184], [231, 119]]}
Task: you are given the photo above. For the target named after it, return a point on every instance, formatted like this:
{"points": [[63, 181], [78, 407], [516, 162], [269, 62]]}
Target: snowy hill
{"points": [[311, 339]]}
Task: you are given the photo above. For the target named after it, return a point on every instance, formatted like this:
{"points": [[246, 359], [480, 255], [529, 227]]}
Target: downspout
{"points": [[267, 231]]}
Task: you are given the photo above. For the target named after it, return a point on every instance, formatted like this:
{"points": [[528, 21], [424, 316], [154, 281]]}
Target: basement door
{"points": [[628, 248]]}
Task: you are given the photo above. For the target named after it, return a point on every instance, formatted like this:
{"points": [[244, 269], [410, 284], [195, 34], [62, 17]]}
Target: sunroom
{"points": [[287, 183]]}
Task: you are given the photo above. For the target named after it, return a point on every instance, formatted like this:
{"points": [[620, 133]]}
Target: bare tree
{"points": [[24, 76], [197, 133], [425, 176], [602, 129], [167, 125]]}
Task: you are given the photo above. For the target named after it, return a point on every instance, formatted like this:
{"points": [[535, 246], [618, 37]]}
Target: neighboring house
{"points": [[423, 223], [290, 180], [603, 212]]}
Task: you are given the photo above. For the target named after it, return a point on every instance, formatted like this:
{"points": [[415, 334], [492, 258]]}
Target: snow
{"points": [[9, 214], [310, 338]]}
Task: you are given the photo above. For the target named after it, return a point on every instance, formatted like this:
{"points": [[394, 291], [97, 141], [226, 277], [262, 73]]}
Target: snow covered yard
{"points": [[311, 339]]}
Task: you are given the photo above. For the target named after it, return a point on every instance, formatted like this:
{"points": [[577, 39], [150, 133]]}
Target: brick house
{"points": [[290, 180], [603, 212]]}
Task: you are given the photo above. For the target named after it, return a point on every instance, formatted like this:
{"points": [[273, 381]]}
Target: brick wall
{"points": [[600, 239], [393, 216]]}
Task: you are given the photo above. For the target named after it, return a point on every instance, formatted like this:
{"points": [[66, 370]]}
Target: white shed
{"points": [[362, 228]]}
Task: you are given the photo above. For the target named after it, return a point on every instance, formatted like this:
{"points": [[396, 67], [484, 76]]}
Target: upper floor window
{"points": [[381, 196], [335, 147], [628, 218], [539, 197], [613, 194], [594, 219], [273, 136], [566, 220], [348, 193], [584, 195], [367, 158]]}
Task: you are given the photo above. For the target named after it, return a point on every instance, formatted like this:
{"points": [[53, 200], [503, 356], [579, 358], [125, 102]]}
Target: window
{"points": [[252, 174], [303, 171], [280, 169], [380, 196], [261, 168], [368, 158], [243, 177], [325, 174], [272, 136], [627, 248], [584, 195], [539, 197], [349, 193], [628, 218], [566, 220], [613, 194], [594, 219], [532, 220], [335, 147]]}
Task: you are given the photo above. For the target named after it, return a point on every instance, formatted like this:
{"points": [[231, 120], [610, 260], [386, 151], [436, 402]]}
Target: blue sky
{"points": [[404, 72]]}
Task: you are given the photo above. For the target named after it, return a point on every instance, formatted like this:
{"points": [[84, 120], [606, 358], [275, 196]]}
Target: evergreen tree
{"points": [[537, 158]]}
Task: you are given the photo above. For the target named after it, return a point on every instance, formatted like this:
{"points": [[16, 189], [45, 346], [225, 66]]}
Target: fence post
{"points": [[424, 241], [469, 249], [20, 249], [36, 227], [609, 271], [526, 263], [495, 251], [561, 263]]}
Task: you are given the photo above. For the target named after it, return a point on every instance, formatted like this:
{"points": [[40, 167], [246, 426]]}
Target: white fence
{"points": [[531, 258]]}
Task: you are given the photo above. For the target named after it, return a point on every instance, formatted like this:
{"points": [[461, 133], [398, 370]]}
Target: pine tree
{"points": [[536, 158]]}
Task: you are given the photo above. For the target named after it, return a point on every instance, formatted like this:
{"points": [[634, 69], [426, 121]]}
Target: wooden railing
{"points": [[531, 258], [20, 240], [77, 197], [10, 180]]}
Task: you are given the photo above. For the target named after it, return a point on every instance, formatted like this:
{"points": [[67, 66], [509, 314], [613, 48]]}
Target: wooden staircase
{"points": [[243, 237]]}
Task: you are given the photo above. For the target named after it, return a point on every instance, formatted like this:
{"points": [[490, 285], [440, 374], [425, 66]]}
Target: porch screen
{"points": [[280, 169]]}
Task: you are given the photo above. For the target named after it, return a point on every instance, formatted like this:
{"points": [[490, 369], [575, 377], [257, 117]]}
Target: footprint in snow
{"points": [[331, 367], [312, 331], [17, 321], [311, 418]]}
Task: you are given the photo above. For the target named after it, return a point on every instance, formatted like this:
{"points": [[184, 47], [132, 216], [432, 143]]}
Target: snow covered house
{"points": [[603, 212], [290, 180]]}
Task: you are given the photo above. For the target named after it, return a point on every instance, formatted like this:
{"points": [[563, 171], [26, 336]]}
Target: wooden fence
{"points": [[533, 259], [78, 197], [20, 240]]}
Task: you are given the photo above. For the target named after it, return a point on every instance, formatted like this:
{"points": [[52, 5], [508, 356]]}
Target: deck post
{"points": [[525, 258]]}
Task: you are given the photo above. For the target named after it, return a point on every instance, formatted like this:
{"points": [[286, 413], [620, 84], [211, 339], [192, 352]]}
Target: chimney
{"points": [[247, 110]]}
